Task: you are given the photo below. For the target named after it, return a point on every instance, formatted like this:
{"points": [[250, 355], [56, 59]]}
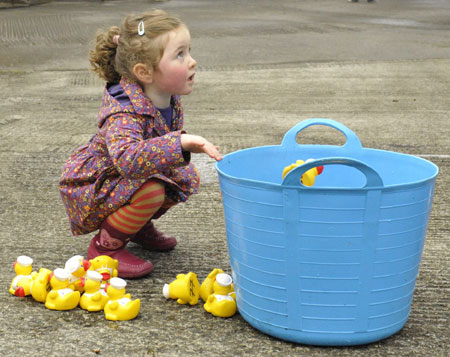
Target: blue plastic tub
{"points": [[332, 264]]}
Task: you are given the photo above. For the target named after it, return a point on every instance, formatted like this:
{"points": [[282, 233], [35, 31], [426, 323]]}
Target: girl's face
{"points": [[176, 69]]}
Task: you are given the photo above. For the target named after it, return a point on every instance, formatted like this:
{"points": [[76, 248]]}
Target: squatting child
{"points": [[137, 165]]}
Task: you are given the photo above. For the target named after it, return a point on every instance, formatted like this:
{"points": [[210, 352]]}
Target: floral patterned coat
{"points": [[132, 145]]}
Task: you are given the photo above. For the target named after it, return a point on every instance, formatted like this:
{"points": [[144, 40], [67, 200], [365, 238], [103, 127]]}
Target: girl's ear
{"points": [[142, 73]]}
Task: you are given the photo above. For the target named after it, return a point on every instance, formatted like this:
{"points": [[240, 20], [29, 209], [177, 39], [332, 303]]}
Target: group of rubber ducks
{"points": [[93, 285], [217, 291]]}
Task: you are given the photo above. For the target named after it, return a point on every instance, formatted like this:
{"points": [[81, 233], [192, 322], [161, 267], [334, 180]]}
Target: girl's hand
{"points": [[198, 144]]}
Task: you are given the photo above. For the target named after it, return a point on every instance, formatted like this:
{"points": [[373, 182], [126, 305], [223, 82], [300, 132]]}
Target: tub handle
{"points": [[293, 177], [352, 141]]}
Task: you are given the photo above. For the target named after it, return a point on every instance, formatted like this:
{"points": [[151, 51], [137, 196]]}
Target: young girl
{"points": [[137, 165]]}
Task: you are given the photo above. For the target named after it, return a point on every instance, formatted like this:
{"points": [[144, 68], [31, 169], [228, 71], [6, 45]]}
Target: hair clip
{"points": [[141, 28]]}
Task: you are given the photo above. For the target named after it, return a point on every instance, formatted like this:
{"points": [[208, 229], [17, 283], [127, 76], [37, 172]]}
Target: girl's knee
{"points": [[153, 185]]}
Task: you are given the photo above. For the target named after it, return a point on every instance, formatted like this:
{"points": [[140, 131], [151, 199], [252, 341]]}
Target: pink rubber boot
{"points": [[151, 239], [111, 242]]}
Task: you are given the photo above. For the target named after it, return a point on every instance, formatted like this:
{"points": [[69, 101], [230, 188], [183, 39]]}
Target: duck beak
{"points": [[86, 264]]}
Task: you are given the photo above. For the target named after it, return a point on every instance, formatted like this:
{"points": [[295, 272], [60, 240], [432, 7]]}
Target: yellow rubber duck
{"points": [[309, 177], [77, 267], [21, 284], [120, 306], [62, 296], [106, 266], [40, 286], [94, 298], [222, 302], [185, 289], [206, 288]]}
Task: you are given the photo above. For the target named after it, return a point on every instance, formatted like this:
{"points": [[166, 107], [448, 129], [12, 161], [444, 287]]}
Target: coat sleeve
{"points": [[139, 158]]}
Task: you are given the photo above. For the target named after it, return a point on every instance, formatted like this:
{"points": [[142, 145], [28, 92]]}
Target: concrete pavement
{"points": [[382, 69]]}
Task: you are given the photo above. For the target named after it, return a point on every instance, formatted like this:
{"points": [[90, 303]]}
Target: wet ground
{"points": [[382, 69]]}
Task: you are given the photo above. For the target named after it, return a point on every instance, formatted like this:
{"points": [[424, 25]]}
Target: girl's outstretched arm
{"points": [[198, 144]]}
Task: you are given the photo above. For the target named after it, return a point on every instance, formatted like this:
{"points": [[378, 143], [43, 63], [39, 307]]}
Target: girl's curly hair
{"points": [[111, 60]]}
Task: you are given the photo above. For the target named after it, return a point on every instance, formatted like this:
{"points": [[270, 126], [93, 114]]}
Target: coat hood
{"points": [[128, 97]]}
